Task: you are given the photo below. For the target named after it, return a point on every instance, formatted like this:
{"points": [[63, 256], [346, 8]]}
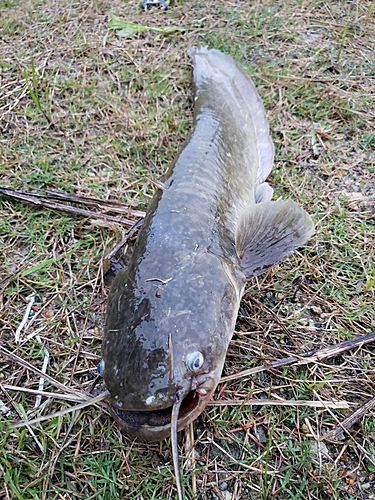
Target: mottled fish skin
{"points": [[171, 313]]}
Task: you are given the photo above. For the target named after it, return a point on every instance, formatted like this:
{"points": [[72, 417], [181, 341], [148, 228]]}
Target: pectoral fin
{"points": [[268, 232]]}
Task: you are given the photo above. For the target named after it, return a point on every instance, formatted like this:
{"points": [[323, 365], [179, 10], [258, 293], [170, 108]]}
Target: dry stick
{"points": [[346, 424], [308, 357], [43, 202], [114, 205], [128, 235], [369, 458], [282, 402]]}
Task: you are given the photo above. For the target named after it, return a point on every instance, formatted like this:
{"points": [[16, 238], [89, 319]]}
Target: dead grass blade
{"points": [[190, 462], [28, 366], [60, 413], [45, 394], [17, 271], [237, 462]]}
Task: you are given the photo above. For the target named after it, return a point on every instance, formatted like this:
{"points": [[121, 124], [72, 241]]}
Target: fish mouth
{"points": [[155, 425]]}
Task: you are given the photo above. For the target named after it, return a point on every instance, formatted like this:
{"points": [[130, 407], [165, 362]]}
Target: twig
{"points": [[282, 402], [113, 205], [41, 200], [308, 357], [128, 235], [346, 424], [88, 201]]}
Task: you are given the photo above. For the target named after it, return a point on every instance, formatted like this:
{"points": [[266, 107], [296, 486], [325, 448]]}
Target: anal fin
{"points": [[263, 192], [268, 232]]}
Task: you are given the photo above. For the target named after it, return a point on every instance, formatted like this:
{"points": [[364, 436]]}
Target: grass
{"points": [[85, 111]]}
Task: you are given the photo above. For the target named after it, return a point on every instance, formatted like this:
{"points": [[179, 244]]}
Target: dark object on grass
{"points": [[45, 200], [154, 3], [172, 312]]}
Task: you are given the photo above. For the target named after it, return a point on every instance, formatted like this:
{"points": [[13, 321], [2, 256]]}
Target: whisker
{"points": [[170, 345], [174, 423]]}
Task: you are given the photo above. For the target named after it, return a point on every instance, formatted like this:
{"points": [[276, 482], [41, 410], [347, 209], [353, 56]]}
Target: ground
{"points": [[88, 112]]}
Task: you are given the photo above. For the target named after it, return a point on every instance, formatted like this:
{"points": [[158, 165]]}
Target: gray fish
{"points": [[172, 312]]}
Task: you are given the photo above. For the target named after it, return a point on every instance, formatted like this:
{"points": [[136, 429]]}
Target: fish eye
{"points": [[194, 361], [100, 367]]}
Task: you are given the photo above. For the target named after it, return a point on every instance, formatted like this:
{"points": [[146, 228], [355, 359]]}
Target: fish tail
{"points": [[218, 71]]}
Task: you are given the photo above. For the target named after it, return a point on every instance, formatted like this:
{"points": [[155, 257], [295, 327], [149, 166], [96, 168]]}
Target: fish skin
{"points": [[181, 292]]}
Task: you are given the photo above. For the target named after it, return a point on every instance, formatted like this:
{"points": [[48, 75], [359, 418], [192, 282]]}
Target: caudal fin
{"points": [[268, 232], [215, 70]]}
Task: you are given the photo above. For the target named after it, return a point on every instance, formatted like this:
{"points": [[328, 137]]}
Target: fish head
{"points": [[160, 345]]}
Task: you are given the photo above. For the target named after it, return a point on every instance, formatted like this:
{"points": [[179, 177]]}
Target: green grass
{"points": [[85, 111]]}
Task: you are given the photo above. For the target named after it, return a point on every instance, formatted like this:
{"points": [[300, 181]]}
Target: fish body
{"points": [[171, 313]]}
